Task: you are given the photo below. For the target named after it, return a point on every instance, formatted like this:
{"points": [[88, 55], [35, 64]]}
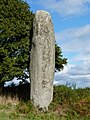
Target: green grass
{"points": [[67, 104]]}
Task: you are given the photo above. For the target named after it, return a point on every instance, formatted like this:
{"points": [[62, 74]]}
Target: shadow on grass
{"points": [[21, 91]]}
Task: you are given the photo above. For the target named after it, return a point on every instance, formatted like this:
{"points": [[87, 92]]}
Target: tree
{"points": [[15, 35], [15, 26], [59, 60]]}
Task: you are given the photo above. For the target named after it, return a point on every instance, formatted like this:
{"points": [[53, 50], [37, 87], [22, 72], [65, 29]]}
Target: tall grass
{"points": [[8, 100]]}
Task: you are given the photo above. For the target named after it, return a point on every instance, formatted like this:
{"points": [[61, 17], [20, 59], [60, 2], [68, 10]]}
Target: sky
{"points": [[71, 21]]}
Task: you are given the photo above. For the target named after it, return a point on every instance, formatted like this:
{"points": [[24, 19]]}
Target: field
{"points": [[68, 104]]}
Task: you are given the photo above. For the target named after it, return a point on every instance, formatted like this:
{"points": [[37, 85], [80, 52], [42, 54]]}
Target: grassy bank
{"points": [[67, 104]]}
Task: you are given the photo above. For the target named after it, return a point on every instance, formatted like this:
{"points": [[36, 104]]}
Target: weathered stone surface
{"points": [[42, 60]]}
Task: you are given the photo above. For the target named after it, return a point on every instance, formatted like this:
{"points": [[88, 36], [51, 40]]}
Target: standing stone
{"points": [[42, 61]]}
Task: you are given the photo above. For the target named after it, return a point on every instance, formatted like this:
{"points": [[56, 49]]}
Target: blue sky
{"points": [[71, 20]]}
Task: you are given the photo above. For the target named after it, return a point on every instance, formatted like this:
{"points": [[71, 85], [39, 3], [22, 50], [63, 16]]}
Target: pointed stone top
{"points": [[42, 11], [43, 14]]}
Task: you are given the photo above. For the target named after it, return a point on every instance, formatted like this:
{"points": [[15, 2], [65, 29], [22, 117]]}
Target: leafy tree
{"points": [[15, 35], [59, 60], [15, 26]]}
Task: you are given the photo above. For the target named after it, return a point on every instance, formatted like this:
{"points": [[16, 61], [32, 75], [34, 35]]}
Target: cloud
{"points": [[15, 82], [75, 39], [67, 7], [74, 75], [75, 43]]}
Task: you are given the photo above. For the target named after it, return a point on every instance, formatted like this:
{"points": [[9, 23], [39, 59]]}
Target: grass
{"points": [[67, 104]]}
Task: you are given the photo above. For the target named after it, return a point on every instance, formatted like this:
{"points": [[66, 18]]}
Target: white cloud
{"points": [[74, 74], [76, 39], [15, 82], [71, 41], [67, 7]]}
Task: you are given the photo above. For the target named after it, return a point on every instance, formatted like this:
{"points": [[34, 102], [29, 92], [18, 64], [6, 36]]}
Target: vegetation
{"points": [[16, 22], [15, 26], [15, 36], [59, 60], [67, 104]]}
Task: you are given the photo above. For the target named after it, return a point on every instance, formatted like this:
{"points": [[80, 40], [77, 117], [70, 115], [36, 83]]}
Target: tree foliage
{"points": [[15, 25], [59, 60], [15, 34]]}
